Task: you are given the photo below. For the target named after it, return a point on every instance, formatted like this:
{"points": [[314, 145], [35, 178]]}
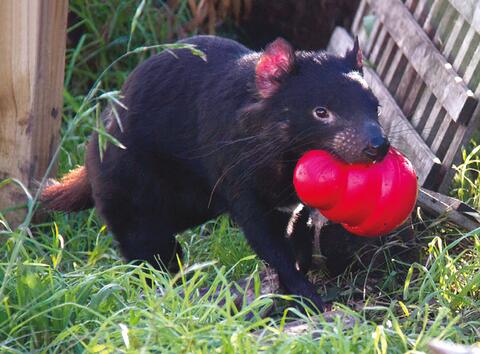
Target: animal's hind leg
{"points": [[152, 240], [146, 230], [145, 210]]}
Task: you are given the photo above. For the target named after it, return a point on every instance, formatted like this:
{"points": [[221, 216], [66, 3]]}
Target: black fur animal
{"points": [[222, 136]]}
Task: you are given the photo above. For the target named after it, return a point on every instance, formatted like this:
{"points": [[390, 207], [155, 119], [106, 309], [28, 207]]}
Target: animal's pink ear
{"points": [[354, 57], [275, 62]]}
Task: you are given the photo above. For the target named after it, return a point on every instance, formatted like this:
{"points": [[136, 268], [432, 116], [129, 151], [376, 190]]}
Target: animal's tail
{"points": [[72, 193]]}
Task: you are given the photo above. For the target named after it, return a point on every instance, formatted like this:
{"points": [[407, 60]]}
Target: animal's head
{"points": [[323, 101]]}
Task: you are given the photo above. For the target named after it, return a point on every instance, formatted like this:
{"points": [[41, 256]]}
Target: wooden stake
{"points": [[32, 43]]}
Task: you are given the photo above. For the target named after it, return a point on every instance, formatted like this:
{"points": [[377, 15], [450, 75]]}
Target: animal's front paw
{"points": [[313, 301], [319, 304]]}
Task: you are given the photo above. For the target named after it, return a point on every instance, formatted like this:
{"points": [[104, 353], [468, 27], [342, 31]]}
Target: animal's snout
{"points": [[377, 148], [362, 144], [376, 142]]}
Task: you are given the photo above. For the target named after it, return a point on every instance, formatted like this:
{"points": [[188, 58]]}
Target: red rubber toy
{"points": [[367, 199]]}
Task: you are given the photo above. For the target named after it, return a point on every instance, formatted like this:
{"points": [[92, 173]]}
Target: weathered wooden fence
{"points": [[32, 43], [423, 62]]}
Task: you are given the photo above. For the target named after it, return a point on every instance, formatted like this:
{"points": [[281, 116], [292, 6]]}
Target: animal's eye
{"points": [[321, 113]]}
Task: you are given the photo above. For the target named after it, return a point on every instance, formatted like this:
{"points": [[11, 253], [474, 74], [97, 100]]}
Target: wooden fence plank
{"points": [[386, 56], [470, 10], [433, 18], [454, 40], [453, 155], [393, 68], [421, 12], [32, 41], [414, 95], [466, 46], [451, 143], [372, 39], [441, 134], [445, 24], [406, 82], [428, 130], [421, 108], [395, 71], [437, 116], [358, 20], [460, 137], [457, 99], [452, 209], [411, 4], [378, 45], [473, 66]]}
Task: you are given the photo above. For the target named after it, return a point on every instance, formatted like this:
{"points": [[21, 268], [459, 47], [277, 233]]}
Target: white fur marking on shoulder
{"points": [[293, 220], [294, 208], [356, 76]]}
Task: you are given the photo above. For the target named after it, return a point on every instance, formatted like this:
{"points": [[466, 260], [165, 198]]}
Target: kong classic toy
{"points": [[368, 199]]}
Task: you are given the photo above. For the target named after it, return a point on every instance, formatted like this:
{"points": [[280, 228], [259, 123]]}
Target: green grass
{"points": [[65, 288]]}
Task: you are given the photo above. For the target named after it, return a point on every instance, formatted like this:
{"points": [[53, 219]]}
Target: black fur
{"points": [[202, 141]]}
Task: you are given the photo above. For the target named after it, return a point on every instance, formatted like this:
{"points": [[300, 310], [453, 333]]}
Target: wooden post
{"points": [[32, 43]]}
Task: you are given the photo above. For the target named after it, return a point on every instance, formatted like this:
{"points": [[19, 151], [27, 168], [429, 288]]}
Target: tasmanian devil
{"points": [[222, 135]]}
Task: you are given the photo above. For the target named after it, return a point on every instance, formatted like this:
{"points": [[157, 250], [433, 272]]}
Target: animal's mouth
{"points": [[341, 157], [377, 150], [349, 155], [354, 157]]}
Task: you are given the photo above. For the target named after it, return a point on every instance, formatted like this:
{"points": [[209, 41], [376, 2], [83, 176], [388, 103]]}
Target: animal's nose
{"points": [[377, 148]]}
